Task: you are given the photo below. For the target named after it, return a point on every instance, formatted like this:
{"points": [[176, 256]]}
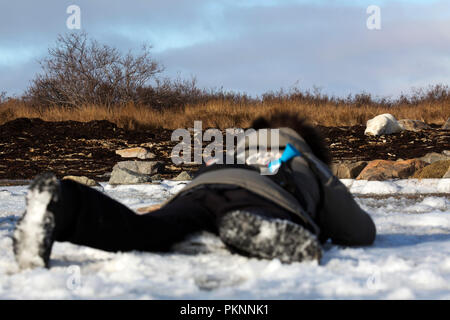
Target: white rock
{"points": [[382, 124]]}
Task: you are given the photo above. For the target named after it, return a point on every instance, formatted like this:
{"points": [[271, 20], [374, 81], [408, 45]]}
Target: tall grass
{"points": [[223, 113]]}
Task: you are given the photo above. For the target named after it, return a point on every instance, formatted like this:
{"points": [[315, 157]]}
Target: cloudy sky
{"points": [[249, 46]]}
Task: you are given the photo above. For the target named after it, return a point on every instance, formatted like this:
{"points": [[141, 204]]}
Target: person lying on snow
{"points": [[286, 215]]}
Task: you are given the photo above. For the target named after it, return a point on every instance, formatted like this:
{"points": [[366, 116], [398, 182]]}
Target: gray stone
{"points": [[142, 167], [183, 176], [134, 172], [126, 176], [434, 156], [348, 170], [413, 125]]}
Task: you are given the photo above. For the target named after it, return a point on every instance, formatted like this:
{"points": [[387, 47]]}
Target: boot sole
{"points": [[32, 239], [269, 238]]}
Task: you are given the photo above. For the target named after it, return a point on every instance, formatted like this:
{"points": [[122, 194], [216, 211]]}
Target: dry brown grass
{"points": [[223, 114]]}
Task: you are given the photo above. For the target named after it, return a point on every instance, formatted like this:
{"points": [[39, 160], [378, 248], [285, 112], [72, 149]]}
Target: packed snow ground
{"points": [[409, 260]]}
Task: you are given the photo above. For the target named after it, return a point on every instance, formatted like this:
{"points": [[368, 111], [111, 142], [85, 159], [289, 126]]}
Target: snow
{"points": [[409, 260], [266, 231], [407, 186]]}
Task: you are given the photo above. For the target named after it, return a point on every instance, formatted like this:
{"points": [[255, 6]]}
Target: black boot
{"points": [[33, 236], [250, 232]]}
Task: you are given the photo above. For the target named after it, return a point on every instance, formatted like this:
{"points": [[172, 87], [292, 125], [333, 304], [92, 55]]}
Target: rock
{"points": [[148, 209], [183, 176], [385, 169], [156, 177], [137, 152], [434, 156], [447, 174], [382, 124], [413, 125], [435, 170], [125, 176], [446, 125], [104, 176], [83, 180], [134, 172], [348, 170], [142, 167]]}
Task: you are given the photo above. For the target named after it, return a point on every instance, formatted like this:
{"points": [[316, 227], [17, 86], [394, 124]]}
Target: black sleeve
{"points": [[342, 219]]}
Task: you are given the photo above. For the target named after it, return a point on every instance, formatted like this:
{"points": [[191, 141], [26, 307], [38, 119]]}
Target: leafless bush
{"points": [[81, 71], [434, 94], [2, 96], [167, 93], [178, 93]]}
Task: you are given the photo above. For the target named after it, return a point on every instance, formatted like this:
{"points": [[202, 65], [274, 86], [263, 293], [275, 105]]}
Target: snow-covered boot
{"points": [[33, 236], [261, 237]]}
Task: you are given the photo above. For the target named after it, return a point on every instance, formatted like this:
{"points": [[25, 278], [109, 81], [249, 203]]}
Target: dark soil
{"points": [[31, 146], [350, 143]]}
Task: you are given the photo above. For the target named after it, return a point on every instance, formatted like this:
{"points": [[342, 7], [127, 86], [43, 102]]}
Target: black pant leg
{"points": [[160, 229], [88, 217]]}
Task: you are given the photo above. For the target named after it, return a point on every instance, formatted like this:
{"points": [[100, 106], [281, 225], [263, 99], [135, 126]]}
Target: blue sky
{"points": [[248, 45]]}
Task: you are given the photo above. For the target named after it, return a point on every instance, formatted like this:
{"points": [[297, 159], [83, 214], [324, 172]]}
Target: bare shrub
{"points": [[80, 71], [167, 93], [3, 97]]}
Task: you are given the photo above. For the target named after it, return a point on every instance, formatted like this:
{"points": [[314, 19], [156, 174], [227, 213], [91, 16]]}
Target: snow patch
{"points": [[406, 186], [409, 260], [5, 194]]}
